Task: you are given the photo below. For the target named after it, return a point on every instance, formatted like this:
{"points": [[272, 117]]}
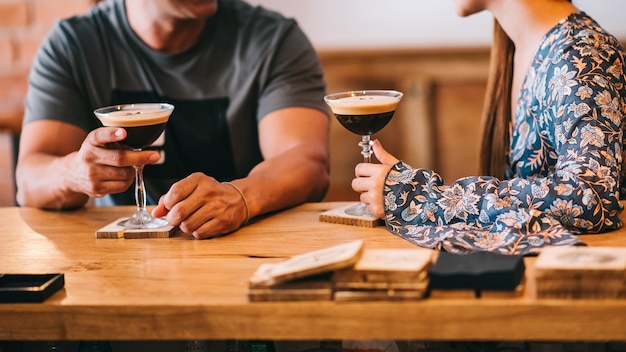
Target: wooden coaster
{"points": [[339, 216], [395, 262], [559, 262], [379, 295], [581, 272], [312, 288], [309, 264], [113, 230], [387, 268], [454, 293], [274, 295], [385, 274], [399, 286]]}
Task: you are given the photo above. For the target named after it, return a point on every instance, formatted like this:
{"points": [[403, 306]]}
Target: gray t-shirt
{"points": [[247, 63]]}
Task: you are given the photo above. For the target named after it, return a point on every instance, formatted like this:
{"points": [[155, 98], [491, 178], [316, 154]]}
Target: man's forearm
{"points": [[289, 179], [42, 182]]}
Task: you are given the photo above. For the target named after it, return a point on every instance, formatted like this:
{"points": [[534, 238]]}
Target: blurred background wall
{"points": [[349, 24], [420, 47]]}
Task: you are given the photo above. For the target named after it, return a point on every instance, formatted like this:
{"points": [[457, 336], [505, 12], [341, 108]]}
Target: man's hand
{"points": [[202, 206], [101, 166], [74, 165]]}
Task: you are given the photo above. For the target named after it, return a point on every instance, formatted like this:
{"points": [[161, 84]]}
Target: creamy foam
{"points": [[134, 115], [363, 104]]}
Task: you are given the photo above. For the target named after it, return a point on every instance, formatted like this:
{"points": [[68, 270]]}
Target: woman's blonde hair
{"points": [[497, 107]]}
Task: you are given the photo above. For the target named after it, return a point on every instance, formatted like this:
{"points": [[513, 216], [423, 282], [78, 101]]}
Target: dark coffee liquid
{"points": [[138, 137], [365, 124]]}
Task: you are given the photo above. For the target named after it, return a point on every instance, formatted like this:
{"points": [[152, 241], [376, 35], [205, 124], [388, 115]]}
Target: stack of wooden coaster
{"points": [[346, 272], [385, 274], [303, 277], [581, 272]]}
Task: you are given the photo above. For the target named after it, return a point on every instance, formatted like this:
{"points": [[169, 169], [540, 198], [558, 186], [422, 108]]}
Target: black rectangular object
{"points": [[27, 288], [479, 271]]}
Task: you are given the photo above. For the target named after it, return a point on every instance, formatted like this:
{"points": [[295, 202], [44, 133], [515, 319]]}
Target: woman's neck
{"points": [[527, 21]]}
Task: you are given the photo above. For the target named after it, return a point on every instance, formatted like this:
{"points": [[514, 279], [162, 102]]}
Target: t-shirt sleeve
{"points": [[293, 74], [53, 91]]}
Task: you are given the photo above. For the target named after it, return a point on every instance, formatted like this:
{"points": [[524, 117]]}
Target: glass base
{"points": [[359, 209], [142, 220]]}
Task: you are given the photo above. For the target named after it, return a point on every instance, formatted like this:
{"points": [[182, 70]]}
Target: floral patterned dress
{"points": [[565, 173]]}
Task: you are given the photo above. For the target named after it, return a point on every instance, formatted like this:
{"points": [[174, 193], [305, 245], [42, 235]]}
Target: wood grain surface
{"points": [[181, 288]]}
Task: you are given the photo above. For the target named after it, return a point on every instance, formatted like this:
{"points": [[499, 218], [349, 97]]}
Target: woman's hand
{"points": [[370, 179]]}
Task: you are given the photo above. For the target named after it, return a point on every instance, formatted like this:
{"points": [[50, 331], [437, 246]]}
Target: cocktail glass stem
{"points": [[360, 209], [366, 144], [142, 219], [140, 189]]}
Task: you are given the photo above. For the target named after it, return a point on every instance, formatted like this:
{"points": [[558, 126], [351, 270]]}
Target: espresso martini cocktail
{"points": [[364, 112], [143, 123]]}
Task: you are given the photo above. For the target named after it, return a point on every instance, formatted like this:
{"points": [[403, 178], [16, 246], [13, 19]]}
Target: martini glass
{"points": [[143, 123], [363, 112]]}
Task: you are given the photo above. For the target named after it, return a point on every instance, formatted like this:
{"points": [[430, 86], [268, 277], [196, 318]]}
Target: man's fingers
{"points": [[101, 147], [160, 210], [105, 135]]}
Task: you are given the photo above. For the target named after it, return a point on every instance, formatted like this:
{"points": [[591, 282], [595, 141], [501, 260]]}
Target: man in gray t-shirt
{"points": [[247, 88]]}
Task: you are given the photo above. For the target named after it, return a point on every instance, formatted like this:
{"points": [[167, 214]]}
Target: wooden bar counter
{"points": [[180, 288]]}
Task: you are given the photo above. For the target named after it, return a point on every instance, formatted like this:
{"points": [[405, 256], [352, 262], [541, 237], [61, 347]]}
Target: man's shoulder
{"points": [[101, 14], [99, 21]]}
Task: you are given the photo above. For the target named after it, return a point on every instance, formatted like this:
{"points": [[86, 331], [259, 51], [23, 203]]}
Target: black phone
{"points": [[17, 288]]}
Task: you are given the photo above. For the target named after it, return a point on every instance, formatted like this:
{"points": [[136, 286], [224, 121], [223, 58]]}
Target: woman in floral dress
{"points": [[552, 143]]}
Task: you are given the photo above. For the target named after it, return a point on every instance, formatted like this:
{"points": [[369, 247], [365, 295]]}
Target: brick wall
{"points": [[23, 23]]}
